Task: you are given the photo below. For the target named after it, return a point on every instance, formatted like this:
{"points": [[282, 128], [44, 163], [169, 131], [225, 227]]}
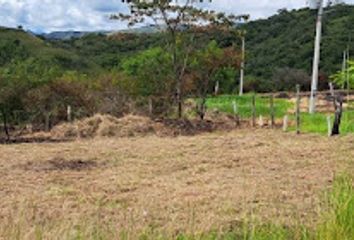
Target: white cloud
{"points": [[88, 15], [54, 15]]}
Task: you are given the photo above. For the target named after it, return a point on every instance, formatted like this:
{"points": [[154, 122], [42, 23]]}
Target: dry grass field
{"points": [[174, 184]]}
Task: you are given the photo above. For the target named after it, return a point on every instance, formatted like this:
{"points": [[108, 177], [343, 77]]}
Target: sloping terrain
{"points": [[17, 45], [287, 40]]}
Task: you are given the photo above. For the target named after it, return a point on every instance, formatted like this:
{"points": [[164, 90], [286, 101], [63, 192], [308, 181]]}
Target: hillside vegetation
{"points": [[117, 73], [283, 41], [17, 46], [286, 40]]}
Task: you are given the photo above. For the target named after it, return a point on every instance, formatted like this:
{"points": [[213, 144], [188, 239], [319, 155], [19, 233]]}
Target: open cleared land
{"points": [[188, 184]]}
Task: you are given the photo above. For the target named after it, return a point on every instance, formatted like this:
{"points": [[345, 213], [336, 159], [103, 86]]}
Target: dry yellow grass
{"points": [[187, 184]]}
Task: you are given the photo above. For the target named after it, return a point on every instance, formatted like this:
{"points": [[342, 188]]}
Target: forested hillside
{"points": [[275, 46], [286, 40], [278, 46], [20, 48]]}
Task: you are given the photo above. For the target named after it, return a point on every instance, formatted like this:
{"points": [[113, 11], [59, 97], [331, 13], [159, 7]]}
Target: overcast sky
{"points": [[91, 15]]}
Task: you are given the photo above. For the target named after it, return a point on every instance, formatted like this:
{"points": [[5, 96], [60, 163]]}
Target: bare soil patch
{"points": [[324, 102], [59, 164]]}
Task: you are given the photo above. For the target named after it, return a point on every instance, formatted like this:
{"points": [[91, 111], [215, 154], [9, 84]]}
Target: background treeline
{"points": [[282, 43], [113, 75], [100, 73]]}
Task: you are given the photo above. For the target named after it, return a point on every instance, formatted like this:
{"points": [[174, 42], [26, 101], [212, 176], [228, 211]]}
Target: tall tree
{"points": [[179, 22]]}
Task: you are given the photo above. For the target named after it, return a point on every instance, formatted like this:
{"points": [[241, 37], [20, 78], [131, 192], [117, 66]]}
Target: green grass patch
{"points": [[310, 123], [338, 216], [317, 123], [224, 103]]}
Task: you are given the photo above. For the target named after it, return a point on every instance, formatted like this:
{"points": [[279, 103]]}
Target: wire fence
{"points": [[289, 110]]}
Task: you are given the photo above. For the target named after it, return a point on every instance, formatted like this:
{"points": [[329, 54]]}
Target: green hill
{"points": [[107, 51], [287, 40], [17, 46], [282, 43], [278, 47]]}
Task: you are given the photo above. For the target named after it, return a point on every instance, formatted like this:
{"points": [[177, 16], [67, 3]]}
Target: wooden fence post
{"points": [[216, 89], [261, 121], [331, 89], [47, 122], [285, 123], [298, 102], [272, 111], [236, 115], [329, 125], [254, 110], [6, 128], [69, 113], [151, 107]]}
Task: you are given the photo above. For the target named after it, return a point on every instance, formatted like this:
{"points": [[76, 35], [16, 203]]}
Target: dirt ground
{"points": [[324, 102], [190, 183]]}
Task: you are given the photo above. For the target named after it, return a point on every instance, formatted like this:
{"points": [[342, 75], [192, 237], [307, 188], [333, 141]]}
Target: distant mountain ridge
{"points": [[67, 35], [64, 35]]}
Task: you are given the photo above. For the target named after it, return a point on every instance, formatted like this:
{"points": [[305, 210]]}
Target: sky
{"points": [[93, 15]]}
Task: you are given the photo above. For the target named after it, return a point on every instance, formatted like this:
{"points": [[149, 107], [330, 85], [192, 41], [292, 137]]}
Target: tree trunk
{"points": [[178, 80], [179, 99], [47, 122], [178, 86], [151, 107], [6, 129], [201, 109], [254, 110], [272, 111]]}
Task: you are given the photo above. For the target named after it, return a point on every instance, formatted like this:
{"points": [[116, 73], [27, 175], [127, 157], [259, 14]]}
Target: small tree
{"points": [[345, 78], [53, 98], [11, 93], [150, 74], [205, 66], [179, 22]]}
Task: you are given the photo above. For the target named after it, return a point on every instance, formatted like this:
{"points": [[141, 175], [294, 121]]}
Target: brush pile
{"points": [[134, 126], [105, 126]]}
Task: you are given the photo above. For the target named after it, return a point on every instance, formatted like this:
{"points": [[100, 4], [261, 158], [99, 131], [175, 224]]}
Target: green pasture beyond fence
{"points": [[309, 123]]}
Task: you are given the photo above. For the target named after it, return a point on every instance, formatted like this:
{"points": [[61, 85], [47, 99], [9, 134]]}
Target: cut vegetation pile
{"points": [[133, 126], [105, 126]]}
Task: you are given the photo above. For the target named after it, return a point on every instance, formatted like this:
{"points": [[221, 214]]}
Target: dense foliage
{"points": [[283, 42], [345, 77], [286, 40]]}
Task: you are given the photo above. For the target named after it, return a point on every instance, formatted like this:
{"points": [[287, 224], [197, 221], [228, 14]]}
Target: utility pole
{"points": [[347, 75], [344, 69], [242, 70], [316, 59]]}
